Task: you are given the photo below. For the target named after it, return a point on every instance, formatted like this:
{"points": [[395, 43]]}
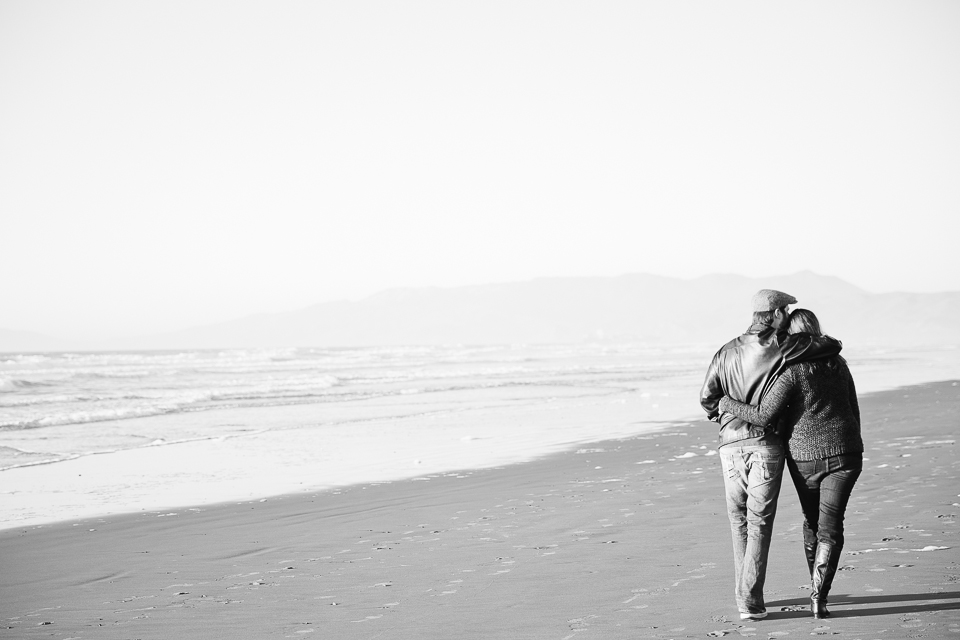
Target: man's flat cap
{"points": [[771, 299]]}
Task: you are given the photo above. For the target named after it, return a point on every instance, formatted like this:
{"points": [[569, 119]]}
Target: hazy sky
{"points": [[164, 164]]}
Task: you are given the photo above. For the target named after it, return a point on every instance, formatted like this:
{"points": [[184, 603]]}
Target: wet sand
{"points": [[619, 539]]}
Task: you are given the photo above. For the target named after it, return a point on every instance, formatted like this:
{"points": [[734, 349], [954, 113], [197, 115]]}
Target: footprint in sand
{"points": [[577, 624]]}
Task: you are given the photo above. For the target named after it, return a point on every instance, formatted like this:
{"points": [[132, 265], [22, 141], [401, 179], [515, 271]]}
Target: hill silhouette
{"points": [[634, 307]]}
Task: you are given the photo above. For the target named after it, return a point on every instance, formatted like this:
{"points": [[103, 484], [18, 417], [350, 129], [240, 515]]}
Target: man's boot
{"points": [[810, 550], [824, 569]]}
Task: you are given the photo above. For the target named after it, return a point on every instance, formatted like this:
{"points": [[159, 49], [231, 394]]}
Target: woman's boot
{"points": [[824, 568]]}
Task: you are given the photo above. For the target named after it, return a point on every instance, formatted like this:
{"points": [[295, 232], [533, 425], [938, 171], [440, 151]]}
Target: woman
{"points": [[816, 403]]}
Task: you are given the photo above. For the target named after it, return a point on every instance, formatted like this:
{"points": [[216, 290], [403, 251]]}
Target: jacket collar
{"points": [[765, 330], [759, 327]]}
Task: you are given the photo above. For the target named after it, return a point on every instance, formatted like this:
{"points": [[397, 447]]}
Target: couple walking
{"points": [[783, 396]]}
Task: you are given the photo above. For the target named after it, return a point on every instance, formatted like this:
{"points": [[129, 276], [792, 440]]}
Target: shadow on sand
{"points": [[800, 607]]}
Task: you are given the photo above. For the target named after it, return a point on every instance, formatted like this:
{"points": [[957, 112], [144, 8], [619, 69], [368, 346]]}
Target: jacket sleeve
{"points": [[801, 347], [712, 389], [854, 403], [764, 414]]}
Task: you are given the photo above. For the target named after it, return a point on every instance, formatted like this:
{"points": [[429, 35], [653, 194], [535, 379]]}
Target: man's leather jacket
{"points": [[745, 367]]}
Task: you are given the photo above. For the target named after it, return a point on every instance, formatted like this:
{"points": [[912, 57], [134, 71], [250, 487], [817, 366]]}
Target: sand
{"points": [[619, 539]]}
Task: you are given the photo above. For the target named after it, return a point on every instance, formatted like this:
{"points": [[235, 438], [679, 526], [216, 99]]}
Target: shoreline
{"points": [[165, 462], [453, 432], [617, 539]]}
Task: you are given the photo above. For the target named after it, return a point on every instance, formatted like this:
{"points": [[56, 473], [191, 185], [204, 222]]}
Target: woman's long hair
{"points": [[805, 321]]}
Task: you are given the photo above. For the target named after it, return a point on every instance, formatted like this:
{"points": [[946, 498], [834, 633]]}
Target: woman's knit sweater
{"points": [[816, 403]]}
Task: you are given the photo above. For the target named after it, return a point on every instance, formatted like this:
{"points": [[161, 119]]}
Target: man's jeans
{"points": [[751, 478], [824, 487]]}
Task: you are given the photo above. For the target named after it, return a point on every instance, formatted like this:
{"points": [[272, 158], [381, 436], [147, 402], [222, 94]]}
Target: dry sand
{"points": [[596, 543]]}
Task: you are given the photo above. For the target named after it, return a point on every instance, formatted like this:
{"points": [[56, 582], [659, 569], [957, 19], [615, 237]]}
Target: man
{"points": [[752, 456]]}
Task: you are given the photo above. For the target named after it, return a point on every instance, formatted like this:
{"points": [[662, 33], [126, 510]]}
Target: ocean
{"points": [[91, 434]]}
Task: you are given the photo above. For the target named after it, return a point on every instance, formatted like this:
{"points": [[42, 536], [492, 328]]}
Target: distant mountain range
{"points": [[636, 307]]}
